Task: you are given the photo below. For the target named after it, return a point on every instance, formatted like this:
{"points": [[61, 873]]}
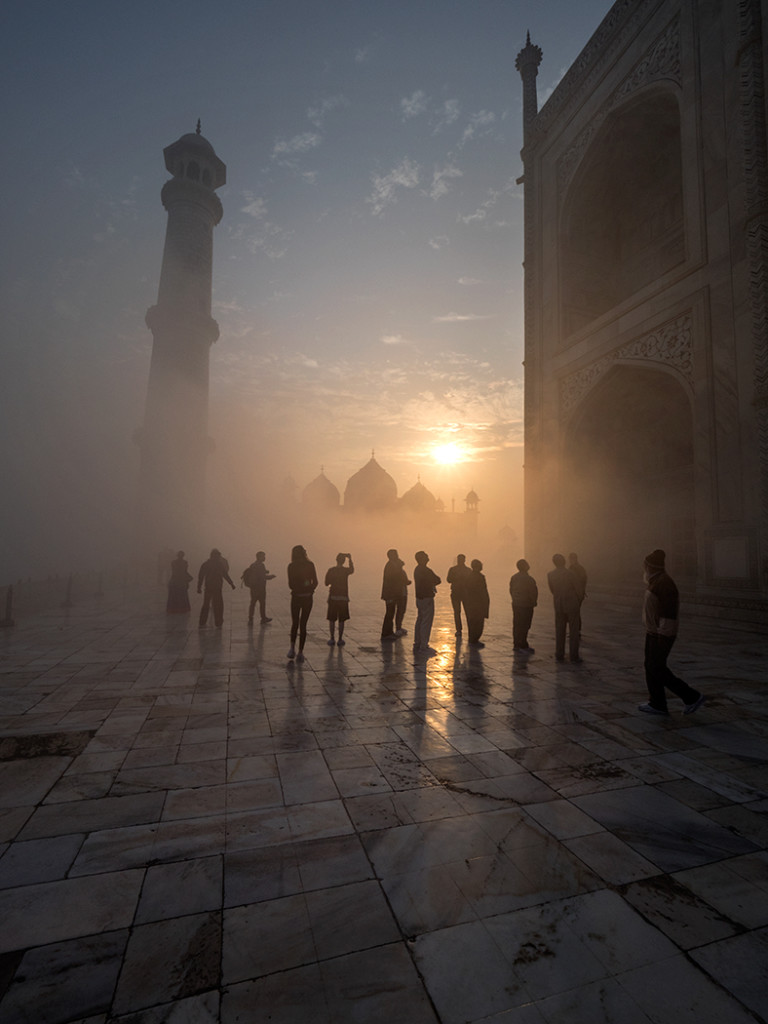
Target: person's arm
{"points": [[351, 565], [200, 576]]}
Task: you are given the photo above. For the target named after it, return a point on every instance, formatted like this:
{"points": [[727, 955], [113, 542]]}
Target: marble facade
{"points": [[646, 300]]}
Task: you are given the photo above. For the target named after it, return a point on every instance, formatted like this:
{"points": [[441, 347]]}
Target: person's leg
{"points": [[574, 633], [295, 605], [401, 603], [526, 617], [341, 632], [417, 642], [251, 606], [426, 625], [666, 676], [654, 664], [205, 607], [331, 626], [560, 624], [306, 608], [217, 602], [456, 602], [518, 627], [389, 617]]}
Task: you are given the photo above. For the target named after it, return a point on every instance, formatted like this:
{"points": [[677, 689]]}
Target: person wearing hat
{"points": [[660, 616]]}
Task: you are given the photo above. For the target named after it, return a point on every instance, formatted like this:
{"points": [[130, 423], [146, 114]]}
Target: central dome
{"points": [[371, 489]]}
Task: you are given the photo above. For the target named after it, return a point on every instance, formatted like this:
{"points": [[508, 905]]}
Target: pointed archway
{"points": [[629, 473]]}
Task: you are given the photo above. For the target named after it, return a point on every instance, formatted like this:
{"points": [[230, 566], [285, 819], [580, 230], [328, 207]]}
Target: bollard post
{"points": [[8, 620]]}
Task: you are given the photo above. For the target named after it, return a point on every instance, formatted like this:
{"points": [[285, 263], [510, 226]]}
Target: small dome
{"points": [[371, 489], [320, 493], [195, 149], [419, 499]]}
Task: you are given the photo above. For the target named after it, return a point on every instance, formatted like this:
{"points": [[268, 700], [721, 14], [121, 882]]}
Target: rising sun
{"points": [[448, 454]]}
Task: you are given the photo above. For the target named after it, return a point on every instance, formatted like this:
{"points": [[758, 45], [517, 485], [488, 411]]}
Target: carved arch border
{"points": [[669, 345], [661, 62]]}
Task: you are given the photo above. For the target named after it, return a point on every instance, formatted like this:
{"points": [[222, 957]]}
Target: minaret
{"points": [[174, 439], [527, 63]]}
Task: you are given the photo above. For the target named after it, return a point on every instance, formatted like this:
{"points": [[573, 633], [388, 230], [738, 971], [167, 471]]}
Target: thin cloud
{"points": [[256, 208], [479, 123], [441, 180], [393, 339], [447, 115], [385, 186], [459, 318], [319, 111], [301, 143], [413, 106], [469, 281], [439, 242]]}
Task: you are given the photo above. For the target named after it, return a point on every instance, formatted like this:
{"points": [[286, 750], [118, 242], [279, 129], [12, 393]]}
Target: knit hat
{"points": [[656, 559]]}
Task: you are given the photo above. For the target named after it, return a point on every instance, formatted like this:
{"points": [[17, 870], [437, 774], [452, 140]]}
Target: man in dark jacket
{"points": [[660, 616], [212, 573], [525, 597], [425, 584], [565, 594], [394, 594]]}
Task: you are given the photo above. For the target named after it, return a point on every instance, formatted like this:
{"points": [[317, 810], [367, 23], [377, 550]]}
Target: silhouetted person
{"points": [[660, 616], [302, 581], [337, 579], [178, 586], [394, 592], [562, 583], [579, 574], [525, 597], [476, 602], [457, 577], [255, 578], [425, 583], [212, 574]]}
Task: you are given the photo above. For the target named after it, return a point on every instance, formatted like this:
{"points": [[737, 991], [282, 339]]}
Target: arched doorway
{"points": [[623, 223], [629, 474]]}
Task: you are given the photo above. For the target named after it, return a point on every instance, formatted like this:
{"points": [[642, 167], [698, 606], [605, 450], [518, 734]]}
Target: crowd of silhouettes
{"points": [[470, 602]]}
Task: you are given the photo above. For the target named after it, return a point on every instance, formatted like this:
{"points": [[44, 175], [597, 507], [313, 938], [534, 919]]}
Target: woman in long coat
{"points": [[477, 602], [178, 586]]}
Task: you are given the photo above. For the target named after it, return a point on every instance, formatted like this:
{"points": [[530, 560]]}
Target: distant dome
{"points": [[320, 493], [419, 499], [371, 489], [472, 498]]}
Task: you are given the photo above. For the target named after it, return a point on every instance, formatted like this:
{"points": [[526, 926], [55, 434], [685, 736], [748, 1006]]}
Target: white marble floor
{"points": [[194, 829]]}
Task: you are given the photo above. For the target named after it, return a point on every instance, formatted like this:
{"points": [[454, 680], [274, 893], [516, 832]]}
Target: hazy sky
{"points": [[367, 271]]}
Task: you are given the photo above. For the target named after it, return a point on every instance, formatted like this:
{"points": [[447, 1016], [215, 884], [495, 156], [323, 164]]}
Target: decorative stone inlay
{"points": [[670, 343], [661, 62]]}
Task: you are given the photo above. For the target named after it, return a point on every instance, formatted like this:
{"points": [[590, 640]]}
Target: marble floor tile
{"points": [[169, 960], [375, 985], [89, 815], [737, 888], [466, 974], [24, 783], [262, 938], [350, 917], [337, 860], [39, 860], [674, 990], [674, 909], [661, 829], [610, 858], [180, 888], [66, 981], [562, 820], [200, 1009], [35, 915]]}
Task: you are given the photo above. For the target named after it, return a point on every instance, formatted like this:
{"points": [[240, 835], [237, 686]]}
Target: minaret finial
{"points": [[527, 63], [197, 130]]}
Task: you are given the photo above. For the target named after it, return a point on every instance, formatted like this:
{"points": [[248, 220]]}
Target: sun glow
{"points": [[449, 454]]}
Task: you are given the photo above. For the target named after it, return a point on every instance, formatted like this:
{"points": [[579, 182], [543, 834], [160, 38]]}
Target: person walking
{"points": [[337, 579], [477, 603], [425, 583], [178, 586], [457, 577], [255, 578], [525, 597], [212, 574], [394, 593], [562, 584], [302, 581], [660, 615]]}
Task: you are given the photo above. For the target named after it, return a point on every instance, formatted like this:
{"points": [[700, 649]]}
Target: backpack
{"points": [[249, 576]]}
